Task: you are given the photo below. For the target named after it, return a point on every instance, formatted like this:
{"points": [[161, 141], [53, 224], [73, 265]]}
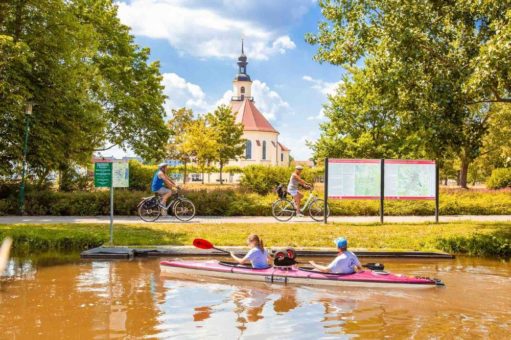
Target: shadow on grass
{"points": [[494, 244]]}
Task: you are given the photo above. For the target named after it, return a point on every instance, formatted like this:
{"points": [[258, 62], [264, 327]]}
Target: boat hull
{"points": [[366, 278]]}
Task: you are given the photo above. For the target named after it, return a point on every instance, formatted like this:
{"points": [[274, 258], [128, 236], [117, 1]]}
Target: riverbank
{"points": [[470, 238]]}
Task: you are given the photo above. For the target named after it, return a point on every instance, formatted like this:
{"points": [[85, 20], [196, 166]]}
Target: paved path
{"points": [[249, 219]]}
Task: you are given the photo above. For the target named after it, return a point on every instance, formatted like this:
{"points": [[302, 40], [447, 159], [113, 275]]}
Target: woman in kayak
{"points": [[257, 255], [345, 263]]}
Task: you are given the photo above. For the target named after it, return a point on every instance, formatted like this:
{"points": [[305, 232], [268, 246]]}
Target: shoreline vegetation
{"points": [[488, 239], [234, 201]]}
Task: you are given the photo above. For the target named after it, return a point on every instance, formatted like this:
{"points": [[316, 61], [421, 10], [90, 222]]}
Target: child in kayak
{"points": [[345, 263], [257, 255]]}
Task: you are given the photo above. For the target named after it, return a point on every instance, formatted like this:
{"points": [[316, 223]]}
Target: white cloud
{"points": [[212, 28], [323, 87], [182, 93], [320, 116]]}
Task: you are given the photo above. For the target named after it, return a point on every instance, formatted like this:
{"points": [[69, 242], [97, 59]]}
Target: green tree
{"points": [[363, 124], [92, 85], [229, 135], [177, 125], [446, 61], [199, 141]]}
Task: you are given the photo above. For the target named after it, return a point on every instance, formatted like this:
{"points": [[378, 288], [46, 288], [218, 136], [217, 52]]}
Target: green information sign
{"points": [[102, 174]]}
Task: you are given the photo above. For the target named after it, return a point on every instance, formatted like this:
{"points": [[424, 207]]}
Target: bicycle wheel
{"points": [[283, 210], [184, 210], [317, 209], [149, 214]]}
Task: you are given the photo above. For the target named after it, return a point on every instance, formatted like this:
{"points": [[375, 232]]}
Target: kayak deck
{"points": [[366, 278]]}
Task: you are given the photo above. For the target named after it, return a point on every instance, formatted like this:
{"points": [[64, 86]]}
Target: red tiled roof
{"points": [[252, 119], [283, 147]]}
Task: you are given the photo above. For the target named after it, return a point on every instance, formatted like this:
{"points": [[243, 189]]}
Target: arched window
{"points": [[242, 89], [248, 149], [264, 149]]}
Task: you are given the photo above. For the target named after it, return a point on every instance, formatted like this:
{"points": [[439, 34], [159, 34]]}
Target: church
{"points": [[262, 139], [262, 144]]}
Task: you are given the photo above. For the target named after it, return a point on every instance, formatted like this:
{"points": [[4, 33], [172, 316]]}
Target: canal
{"points": [[129, 299]]}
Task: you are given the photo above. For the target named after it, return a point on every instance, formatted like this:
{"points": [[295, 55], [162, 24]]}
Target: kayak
{"points": [[293, 275]]}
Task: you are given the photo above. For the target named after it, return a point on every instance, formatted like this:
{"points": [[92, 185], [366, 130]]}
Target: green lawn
{"points": [[476, 238]]}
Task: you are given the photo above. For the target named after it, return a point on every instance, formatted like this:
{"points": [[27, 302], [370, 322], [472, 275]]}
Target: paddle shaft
{"points": [[222, 250]]}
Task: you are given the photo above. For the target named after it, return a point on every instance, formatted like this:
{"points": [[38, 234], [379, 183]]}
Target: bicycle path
{"points": [[247, 219]]}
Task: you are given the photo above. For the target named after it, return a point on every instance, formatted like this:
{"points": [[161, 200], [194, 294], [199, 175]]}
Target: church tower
{"points": [[242, 85]]}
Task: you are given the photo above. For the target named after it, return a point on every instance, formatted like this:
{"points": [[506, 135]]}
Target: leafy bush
{"points": [[500, 178], [141, 175], [263, 179]]}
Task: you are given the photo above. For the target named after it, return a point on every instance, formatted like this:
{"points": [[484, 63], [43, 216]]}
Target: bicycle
{"points": [[283, 209], [149, 209]]}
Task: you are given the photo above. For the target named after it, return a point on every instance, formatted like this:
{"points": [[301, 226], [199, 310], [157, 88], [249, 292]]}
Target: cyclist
{"points": [[162, 184], [292, 188]]}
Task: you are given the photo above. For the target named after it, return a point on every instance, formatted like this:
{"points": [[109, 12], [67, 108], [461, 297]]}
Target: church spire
{"points": [[242, 82]]}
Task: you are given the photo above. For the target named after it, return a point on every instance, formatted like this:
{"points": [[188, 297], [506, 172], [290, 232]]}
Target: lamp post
{"points": [[28, 113]]}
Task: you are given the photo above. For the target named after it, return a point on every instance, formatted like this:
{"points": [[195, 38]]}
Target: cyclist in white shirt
{"points": [[345, 263]]}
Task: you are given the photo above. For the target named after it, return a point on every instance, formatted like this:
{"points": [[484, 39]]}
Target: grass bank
{"points": [[474, 238]]}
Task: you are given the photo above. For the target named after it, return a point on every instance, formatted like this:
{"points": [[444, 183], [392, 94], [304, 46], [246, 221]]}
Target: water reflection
{"points": [[121, 299]]}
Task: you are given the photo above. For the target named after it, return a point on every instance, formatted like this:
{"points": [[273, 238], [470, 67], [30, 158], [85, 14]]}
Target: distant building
{"points": [[262, 139]]}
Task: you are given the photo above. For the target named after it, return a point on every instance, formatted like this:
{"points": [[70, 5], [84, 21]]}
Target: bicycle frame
{"points": [[308, 202]]}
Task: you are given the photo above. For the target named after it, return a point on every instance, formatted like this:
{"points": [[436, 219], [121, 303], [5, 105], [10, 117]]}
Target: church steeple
{"points": [[242, 82], [242, 65]]}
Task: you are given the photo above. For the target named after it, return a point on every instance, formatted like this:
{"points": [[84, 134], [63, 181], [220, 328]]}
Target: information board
{"points": [[354, 178], [410, 179], [120, 175], [103, 174]]}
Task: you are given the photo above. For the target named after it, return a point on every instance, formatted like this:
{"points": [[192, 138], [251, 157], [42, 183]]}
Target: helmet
{"points": [[298, 167], [341, 242], [161, 165]]}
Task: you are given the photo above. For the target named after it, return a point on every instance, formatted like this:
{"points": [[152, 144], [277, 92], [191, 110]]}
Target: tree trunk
{"points": [[221, 168], [464, 174], [184, 173]]}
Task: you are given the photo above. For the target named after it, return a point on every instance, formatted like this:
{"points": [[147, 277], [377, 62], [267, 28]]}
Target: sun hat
{"points": [[298, 167], [161, 165]]}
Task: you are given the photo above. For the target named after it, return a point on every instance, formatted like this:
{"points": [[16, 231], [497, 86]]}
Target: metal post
{"points": [[382, 189], [112, 213], [21, 197], [437, 192], [325, 182]]}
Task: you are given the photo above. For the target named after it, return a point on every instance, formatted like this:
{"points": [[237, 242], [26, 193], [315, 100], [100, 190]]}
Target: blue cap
{"points": [[341, 242]]}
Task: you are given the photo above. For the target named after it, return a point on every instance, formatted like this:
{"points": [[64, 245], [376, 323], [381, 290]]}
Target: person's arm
{"points": [[240, 260], [166, 179], [301, 181], [324, 269], [357, 267]]}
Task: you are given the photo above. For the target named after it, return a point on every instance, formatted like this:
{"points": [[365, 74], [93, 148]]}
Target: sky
{"points": [[198, 43]]}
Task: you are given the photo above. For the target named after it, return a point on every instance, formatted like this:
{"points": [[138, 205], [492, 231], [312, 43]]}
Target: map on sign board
{"points": [[120, 175], [410, 179], [354, 178]]}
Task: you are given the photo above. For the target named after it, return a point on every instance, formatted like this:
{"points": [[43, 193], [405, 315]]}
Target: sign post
{"points": [[108, 174], [382, 190], [325, 212]]}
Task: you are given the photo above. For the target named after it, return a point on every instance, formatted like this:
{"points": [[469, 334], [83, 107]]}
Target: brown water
{"points": [[121, 299]]}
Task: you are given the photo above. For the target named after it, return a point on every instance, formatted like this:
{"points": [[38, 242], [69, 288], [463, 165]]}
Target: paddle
{"points": [[205, 244]]}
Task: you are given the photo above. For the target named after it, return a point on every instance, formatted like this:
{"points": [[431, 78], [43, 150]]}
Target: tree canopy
{"points": [[437, 66], [92, 86]]}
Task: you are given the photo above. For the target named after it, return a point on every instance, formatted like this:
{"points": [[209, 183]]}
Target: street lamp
{"points": [[28, 113]]}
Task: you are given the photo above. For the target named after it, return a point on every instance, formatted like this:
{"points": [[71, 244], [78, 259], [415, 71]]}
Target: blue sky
{"points": [[197, 44]]}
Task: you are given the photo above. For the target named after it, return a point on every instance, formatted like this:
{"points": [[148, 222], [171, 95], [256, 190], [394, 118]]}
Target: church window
{"points": [[264, 149], [248, 150], [282, 157], [242, 89]]}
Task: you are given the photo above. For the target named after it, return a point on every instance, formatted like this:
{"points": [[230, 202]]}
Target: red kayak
{"points": [[295, 275]]}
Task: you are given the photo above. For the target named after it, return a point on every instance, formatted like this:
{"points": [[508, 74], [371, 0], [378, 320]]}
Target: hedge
{"points": [[230, 201], [500, 178]]}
